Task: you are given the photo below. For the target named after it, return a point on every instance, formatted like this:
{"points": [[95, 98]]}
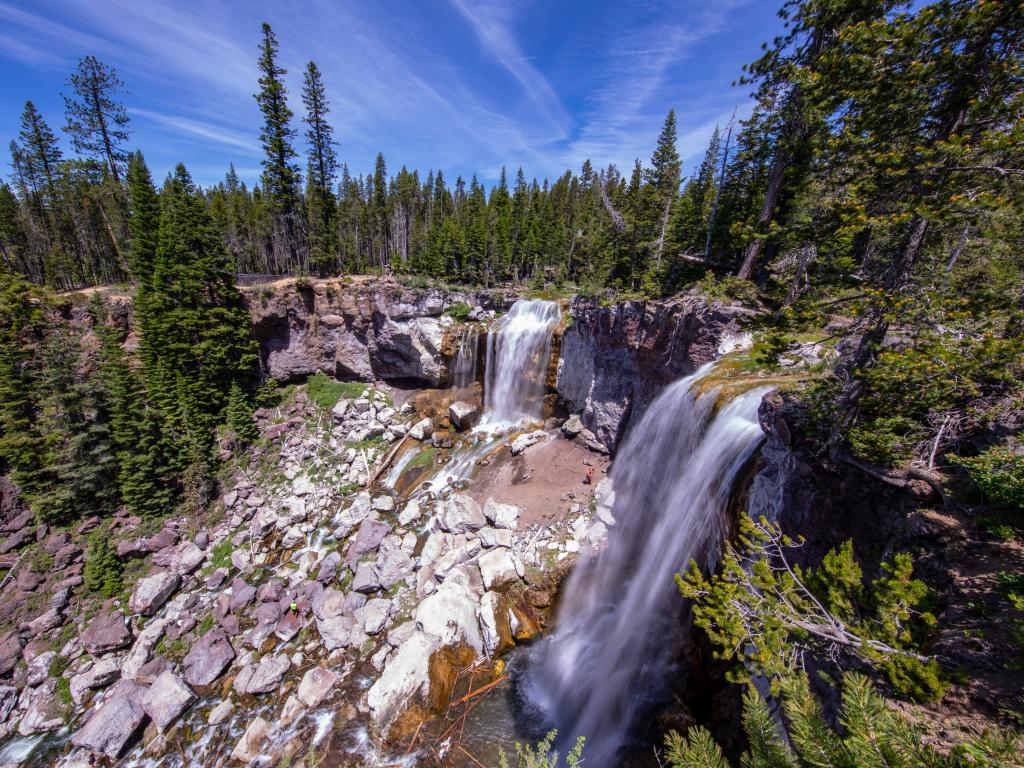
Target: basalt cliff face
{"points": [[615, 359], [372, 330]]}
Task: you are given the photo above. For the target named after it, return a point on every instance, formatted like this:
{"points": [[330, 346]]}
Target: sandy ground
{"points": [[543, 481]]}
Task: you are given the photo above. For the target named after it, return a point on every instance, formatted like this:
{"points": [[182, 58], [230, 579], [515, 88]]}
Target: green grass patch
{"points": [[425, 458], [326, 392], [220, 556], [458, 311]]}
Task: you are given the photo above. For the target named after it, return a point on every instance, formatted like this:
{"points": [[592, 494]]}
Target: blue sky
{"points": [[455, 84]]}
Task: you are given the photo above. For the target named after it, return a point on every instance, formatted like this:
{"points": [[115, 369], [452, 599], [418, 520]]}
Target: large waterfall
{"points": [[518, 357], [610, 657]]}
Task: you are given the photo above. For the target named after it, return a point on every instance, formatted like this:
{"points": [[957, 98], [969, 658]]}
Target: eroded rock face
{"points": [[363, 330], [615, 360]]}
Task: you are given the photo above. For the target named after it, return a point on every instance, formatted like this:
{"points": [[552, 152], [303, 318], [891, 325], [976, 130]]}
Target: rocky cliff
{"points": [[359, 329], [616, 359]]}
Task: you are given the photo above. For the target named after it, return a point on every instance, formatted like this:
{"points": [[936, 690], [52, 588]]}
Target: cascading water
{"points": [[608, 661], [464, 372], [518, 356]]}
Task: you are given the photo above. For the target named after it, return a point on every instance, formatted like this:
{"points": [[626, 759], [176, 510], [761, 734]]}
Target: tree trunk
{"points": [[771, 201]]}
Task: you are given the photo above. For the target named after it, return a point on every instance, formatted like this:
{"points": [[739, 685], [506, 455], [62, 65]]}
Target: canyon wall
{"points": [[359, 329], [615, 359]]}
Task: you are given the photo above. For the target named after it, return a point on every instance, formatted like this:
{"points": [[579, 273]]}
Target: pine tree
{"points": [[238, 417], [281, 176], [143, 219], [40, 151], [103, 571], [323, 167], [196, 338], [96, 122]]}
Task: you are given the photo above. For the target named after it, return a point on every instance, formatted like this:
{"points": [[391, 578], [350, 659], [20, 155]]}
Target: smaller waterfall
{"points": [[518, 357], [464, 372], [611, 655]]}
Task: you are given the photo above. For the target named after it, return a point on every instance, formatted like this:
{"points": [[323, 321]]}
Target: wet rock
{"points": [[410, 513], [249, 747], [463, 415], [105, 633], [422, 430], [501, 515], [444, 440], [221, 712], [45, 711], [112, 726], [262, 677], [315, 686], [495, 624], [460, 513], [498, 568], [166, 699], [329, 568], [383, 503], [208, 657], [152, 592], [523, 442]]}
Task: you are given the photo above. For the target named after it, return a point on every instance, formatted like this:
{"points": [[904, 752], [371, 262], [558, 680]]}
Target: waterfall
{"points": [[610, 657], [464, 372], [518, 356]]}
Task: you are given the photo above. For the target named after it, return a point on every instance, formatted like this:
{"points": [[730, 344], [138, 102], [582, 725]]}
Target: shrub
{"points": [[458, 311], [887, 442], [326, 392], [999, 475], [103, 569]]}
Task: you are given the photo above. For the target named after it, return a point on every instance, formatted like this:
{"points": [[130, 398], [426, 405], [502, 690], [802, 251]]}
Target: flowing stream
{"points": [[518, 358], [608, 661]]}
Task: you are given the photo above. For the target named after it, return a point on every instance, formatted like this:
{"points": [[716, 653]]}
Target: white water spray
{"points": [[518, 357], [609, 659], [464, 369]]}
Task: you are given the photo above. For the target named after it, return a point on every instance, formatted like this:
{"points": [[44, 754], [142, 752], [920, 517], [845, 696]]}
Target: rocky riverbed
{"points": [[313, 606]]}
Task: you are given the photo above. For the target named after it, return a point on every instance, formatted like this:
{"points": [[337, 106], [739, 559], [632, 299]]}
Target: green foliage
{"points": [[886, 441], [542, 756], [999, 474], [238, 417], [326, 391], [103, 569], [761, 610], [63, 692], [458, 311], [220, 555], [871, 734]]}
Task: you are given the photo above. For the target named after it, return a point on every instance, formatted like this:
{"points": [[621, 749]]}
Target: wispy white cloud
{"points": [[490, 21], [201, 129]]}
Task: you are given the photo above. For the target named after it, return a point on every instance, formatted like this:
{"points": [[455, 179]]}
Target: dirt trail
{"points": [[544, 481]]}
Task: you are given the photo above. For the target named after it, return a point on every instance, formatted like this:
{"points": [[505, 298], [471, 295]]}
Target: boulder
{"points": [[393, 566], [152, 592], [143, 648], [374, 615], [208, 657], [339, 410], [572, 426], [249, 747], [366, 580], [264, 676], [406, 677], [105, 633], [112, 727], [463, 415], [495, 624], [242, 593], [383, 503], [498, 568], [166, 699], [523, 442], [10, 651], [501, 515], [221, 712], [315, 686], [449, 614], [335, 631], [46, 712], [460, 513], [422, 430], [369, 536]]}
